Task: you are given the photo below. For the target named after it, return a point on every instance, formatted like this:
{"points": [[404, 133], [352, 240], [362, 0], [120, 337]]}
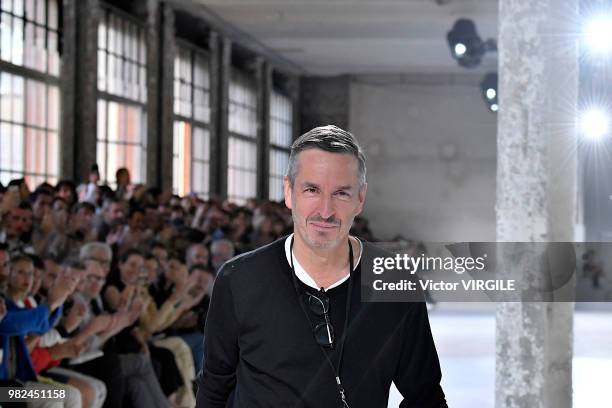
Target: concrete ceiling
{"points": [[330, 37]]}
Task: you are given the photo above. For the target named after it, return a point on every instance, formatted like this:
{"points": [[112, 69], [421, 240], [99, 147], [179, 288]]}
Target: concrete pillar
{"points": [[324, 101], [219, 145], [536, 191], [67, 85], [152, 34], [88, 14], [168, 51], [263, 78]]}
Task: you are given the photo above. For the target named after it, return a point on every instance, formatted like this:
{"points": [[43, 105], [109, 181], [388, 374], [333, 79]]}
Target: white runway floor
{"points": [[465, 340]]}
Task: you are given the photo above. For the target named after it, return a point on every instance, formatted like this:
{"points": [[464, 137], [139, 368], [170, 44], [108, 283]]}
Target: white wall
{"points": [[431, 146]]}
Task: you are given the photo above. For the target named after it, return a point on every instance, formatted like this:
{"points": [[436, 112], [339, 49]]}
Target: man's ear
{"points": [[287, 190], [361, 197]]}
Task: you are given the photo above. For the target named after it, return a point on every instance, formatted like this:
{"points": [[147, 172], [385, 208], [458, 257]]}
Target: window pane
{"points": [[279, 159], [17, 48], [281, 120], [242, 169], [6, 23], [242, 105], [121, 71], [53, 14], [121, 140]]}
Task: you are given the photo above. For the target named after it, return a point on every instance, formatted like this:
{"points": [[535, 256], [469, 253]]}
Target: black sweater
{"points": [[258, 338]]}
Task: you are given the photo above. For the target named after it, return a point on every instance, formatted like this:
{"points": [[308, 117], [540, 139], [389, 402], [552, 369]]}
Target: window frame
{"points": [[193, 122], [274, 146], [47, 79], [254, 139], [106, 10]]}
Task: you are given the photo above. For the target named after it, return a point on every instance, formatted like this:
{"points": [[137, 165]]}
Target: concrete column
{"points": [[214, 45], [221, 145], [166, 97], [68, 78], [86, 90], [324, 101], [536, 191], [152, 34], [263, 77]]}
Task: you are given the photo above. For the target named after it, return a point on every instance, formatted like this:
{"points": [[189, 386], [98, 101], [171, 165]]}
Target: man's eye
{"points": [[310, 190]]}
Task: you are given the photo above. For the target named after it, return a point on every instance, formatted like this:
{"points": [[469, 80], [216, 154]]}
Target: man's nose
{"points": [[326, 208]]}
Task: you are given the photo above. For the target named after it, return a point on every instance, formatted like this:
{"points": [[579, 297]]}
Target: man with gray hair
{"points": [[286, 326]]}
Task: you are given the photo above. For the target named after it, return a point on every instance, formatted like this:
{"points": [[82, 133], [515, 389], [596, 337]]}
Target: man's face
{"points": [[83, 219], [151, 266], [17, 222], [176, 272], [100, 256], [38, 273], [60, 212], [42, 205], [21, 278], [94, 280], [203, 278], [197, 254], [66, 193], [162, 257], [114, 214], [50, 274], [75, 274], [4, 265], [131, 269], [137, 221], [221, 252], [325, 198]]}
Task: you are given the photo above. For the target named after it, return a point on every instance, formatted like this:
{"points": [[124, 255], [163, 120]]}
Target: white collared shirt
{"points": [[303, 276]]}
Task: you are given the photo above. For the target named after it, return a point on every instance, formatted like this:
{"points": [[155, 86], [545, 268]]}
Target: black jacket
{"points": [[258, 337]]}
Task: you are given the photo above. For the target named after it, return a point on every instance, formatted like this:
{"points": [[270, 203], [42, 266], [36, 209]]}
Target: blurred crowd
{"points": [[104, 291]]}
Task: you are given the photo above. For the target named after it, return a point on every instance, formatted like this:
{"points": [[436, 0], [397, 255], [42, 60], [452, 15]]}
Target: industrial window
{"points": [[191, 147], [122, 96], [29, 90], [281, 137], [242, 144]]}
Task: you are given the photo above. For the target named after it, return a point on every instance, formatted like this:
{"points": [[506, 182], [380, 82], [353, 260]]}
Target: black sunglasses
{"points": [[324, 331]]}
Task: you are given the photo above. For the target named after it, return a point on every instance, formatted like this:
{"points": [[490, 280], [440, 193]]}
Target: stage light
{"points": [[594, 124], [488, 89], [465, 44], [598, 34], [460, 50]]}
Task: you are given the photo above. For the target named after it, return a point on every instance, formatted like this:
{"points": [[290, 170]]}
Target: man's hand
{"points": [[58, 293], [68, 349], [32, 341], [75, 317]]}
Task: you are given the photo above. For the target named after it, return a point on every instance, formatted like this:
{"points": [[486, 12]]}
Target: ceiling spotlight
{"points": [[594, 124], [465, 44], [460, 49], [598, 34], [488, 89]]}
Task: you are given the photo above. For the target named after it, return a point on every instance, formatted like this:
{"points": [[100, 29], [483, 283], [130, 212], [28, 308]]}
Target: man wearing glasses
{"points": [[286, 327]]}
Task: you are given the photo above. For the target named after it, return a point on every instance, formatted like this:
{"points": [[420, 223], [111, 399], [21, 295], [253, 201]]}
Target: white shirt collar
{"points": [[303, 276]]}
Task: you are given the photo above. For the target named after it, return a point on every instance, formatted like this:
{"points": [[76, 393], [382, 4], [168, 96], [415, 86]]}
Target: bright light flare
{"points": [[491, 93], [494, 107], [460, 49], [598, 34], [594, 124]]}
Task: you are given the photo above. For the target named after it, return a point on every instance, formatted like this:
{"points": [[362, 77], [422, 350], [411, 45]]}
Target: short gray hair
{"points": [[89, 248], [329, 138]]}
